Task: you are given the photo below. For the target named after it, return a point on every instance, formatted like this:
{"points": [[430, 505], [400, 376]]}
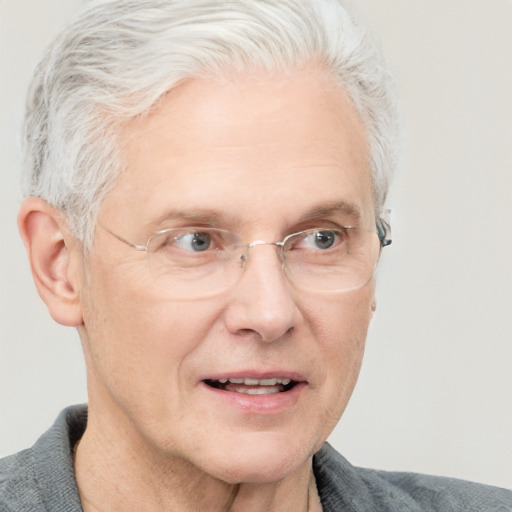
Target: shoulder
{"points": [[441, 493], [18, 486], [345, 487], [42, 477]]}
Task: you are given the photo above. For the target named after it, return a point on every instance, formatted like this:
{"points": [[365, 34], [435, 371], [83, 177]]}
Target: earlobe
{"points": [[52, 252]]}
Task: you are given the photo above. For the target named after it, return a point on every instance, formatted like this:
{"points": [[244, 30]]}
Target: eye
{"points": [[195, 241], [318, 240]]}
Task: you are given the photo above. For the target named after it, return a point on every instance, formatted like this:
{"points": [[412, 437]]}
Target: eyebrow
{"points": [[209, 217], [333, 207], [213, 218]]}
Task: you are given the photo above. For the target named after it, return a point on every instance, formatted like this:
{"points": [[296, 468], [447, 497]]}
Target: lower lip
{"points": [[259, 404]]}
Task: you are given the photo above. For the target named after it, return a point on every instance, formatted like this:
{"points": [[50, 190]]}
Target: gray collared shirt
{"points": [[42, 479]]}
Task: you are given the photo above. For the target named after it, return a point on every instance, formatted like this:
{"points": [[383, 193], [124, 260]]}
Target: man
{"points": [[205, 189]]}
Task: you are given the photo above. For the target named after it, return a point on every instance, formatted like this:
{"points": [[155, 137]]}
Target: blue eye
{"points": [[196, 242], [324, 239]]}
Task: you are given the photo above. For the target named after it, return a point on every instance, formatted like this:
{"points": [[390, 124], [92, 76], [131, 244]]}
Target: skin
{"points": [[261, 153]]}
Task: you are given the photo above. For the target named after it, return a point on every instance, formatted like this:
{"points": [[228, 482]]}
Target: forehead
{"points": [[243, 148]]}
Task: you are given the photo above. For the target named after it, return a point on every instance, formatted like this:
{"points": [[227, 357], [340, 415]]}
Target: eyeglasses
{"points": [[198, 262]]}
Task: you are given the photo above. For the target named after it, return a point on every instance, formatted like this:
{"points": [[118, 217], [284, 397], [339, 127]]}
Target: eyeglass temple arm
{"points": [[384, 232], [121, 239]]}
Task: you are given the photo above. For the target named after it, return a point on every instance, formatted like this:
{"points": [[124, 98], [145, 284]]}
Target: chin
{"points": [[261, 458]]}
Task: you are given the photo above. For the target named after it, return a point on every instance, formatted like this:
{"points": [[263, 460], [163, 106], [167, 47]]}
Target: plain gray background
{"points": [[435, 393]]}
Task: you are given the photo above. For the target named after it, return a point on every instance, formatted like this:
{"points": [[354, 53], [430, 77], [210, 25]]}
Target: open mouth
{"points": [[250, 386]]}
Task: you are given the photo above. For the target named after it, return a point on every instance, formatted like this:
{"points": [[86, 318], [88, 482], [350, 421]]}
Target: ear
{"points": [[55, 259]]}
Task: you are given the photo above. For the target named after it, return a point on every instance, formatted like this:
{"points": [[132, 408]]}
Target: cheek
{"points": [[135, 334], [342, 347], [347, 341], [343, 324]]}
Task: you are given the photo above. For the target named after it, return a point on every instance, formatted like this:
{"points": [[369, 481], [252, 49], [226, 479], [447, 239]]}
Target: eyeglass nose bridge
{"points": [[244, 258]]}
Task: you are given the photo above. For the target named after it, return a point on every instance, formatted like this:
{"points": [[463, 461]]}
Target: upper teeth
{"points": [[255, 382]]}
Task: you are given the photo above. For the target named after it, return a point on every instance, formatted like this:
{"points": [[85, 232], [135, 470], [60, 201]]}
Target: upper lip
{"points": [[256, 375]]}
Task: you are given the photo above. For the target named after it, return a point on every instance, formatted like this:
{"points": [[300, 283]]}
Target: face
{"points": [[262, 157]]}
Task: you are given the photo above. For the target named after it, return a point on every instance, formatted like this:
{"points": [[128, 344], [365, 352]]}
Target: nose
{"points": [[262, 304]]}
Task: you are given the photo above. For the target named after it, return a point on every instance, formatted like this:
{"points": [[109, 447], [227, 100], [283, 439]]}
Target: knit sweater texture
{"points": [[42, 479]]}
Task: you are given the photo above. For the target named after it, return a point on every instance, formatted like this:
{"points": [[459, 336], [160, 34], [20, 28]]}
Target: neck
{"points": [[115, 474]]}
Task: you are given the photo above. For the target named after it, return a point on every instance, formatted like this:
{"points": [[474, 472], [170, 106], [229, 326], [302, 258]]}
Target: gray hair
{"points": [[121, 56]]}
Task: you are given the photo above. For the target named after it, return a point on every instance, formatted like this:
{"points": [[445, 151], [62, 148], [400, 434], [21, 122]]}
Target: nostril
{"points": [[247, 333], [274, 337]]}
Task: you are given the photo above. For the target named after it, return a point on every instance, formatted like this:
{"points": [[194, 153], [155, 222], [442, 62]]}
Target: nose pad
{"points": [[244, 257]]}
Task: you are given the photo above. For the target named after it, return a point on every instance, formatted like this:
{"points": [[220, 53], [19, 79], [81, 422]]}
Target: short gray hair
{"points": [[121, 56]]}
